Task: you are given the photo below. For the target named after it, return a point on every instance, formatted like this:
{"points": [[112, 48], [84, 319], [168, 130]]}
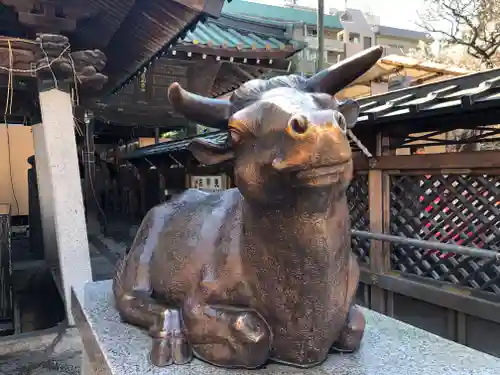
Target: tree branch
{"points": [[470, 25]]}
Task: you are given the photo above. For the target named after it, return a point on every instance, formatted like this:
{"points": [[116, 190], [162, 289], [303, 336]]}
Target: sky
{"points": [[395, 13]]}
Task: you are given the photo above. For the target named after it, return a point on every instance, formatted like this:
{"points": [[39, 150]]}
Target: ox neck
{"points": [[307, 221]]}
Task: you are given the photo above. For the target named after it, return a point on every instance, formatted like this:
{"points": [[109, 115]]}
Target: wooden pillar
{"points": [[379, 211], [142, 170], [162, 184], [157, 136], [65, 231], [116, 180], [143, 186]]}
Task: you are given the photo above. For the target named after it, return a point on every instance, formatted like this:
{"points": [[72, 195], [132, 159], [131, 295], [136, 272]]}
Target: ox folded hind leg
{"points": [[163, 324], [227, 336], [132, 290]]}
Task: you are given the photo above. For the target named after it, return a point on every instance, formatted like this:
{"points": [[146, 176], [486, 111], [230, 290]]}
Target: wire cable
{"points": [[8, 110]]}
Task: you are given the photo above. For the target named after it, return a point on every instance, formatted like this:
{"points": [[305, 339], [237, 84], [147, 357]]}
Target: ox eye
{"points": [[341, 122]]}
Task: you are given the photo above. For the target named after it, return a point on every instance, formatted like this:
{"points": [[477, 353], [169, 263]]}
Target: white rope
{"points": [[359, 144]]}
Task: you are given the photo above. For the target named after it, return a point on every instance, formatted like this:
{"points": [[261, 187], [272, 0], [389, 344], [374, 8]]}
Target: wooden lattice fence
{"points": [[461, 209], [448, 198], [357, 196]]}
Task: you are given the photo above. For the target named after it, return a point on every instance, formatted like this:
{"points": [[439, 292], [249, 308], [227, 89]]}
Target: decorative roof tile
{"points": [[221, 34]]}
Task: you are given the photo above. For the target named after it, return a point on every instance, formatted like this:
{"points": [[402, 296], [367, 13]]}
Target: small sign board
{"points": [[207, 183]]}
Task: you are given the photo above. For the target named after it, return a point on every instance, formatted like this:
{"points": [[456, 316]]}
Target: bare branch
{"points": [[475, 25]]}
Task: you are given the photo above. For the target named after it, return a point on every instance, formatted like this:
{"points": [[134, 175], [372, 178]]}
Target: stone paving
{"points": [[31, 358], [27, 356]]}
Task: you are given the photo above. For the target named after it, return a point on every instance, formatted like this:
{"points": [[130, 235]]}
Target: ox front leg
{"points": [[352, 333], [164, 326], [227, 336]]}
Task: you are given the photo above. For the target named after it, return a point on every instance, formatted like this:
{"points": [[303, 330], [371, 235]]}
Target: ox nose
{"points": [[317, 138]]}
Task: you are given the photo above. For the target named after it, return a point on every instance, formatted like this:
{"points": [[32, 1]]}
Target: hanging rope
{"points": [[355, 139]]}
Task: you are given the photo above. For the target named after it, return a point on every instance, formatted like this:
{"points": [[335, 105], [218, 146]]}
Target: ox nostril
{"points": [[298, 125]]}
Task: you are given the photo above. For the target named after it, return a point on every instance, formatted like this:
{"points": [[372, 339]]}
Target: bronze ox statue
{"points": [[263, 272]]}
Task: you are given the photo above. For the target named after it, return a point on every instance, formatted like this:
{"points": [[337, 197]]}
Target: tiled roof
{"points": [[467, 100], [401, 33], [241, 7], [470, 100], [173, 146], [230, 32]]}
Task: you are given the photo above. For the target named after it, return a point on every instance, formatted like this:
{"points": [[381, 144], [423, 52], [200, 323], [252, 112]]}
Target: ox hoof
{"points": [[169, 350], [170, 345], [351, 335]]}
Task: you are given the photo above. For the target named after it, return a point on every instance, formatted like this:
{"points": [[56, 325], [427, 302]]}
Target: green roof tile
{"points": [[215, 33], [241, 7]]}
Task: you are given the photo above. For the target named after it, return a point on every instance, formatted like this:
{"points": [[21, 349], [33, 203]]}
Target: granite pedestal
{"points": [[389, 347]]}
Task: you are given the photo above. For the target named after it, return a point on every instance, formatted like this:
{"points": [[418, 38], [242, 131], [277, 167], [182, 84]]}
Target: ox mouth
{"points": [[320, 176]]}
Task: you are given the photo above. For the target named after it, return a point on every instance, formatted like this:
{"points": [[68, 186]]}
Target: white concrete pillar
{"points": [[61, 203]]}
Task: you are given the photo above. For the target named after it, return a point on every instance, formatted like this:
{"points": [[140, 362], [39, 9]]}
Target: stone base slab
{"points": [[389, 347]]}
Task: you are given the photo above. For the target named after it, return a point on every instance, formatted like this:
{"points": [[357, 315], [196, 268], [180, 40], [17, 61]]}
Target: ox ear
{"points": [[350, 109], [210, 153]]}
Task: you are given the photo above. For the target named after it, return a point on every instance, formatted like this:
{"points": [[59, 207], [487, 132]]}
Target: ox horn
{"points": [[340, 75], [214, 113]]}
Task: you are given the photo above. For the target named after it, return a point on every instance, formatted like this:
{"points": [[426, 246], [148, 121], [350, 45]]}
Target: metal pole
{"points": [[89, 160], [320, 33], [431, 245], [157, 136]]}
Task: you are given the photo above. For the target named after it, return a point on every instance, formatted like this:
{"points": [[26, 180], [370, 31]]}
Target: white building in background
{"points": [[346, 31]]}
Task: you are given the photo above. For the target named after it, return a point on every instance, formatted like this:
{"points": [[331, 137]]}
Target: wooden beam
{"points": [[133, 108], [48, 20], [361, 162], [459, 161], [243, 72], [440, 293], [276, 60], [260, 53], [201, 84], [46, 23], [20, 5], [120, 131], [160, 120]]}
